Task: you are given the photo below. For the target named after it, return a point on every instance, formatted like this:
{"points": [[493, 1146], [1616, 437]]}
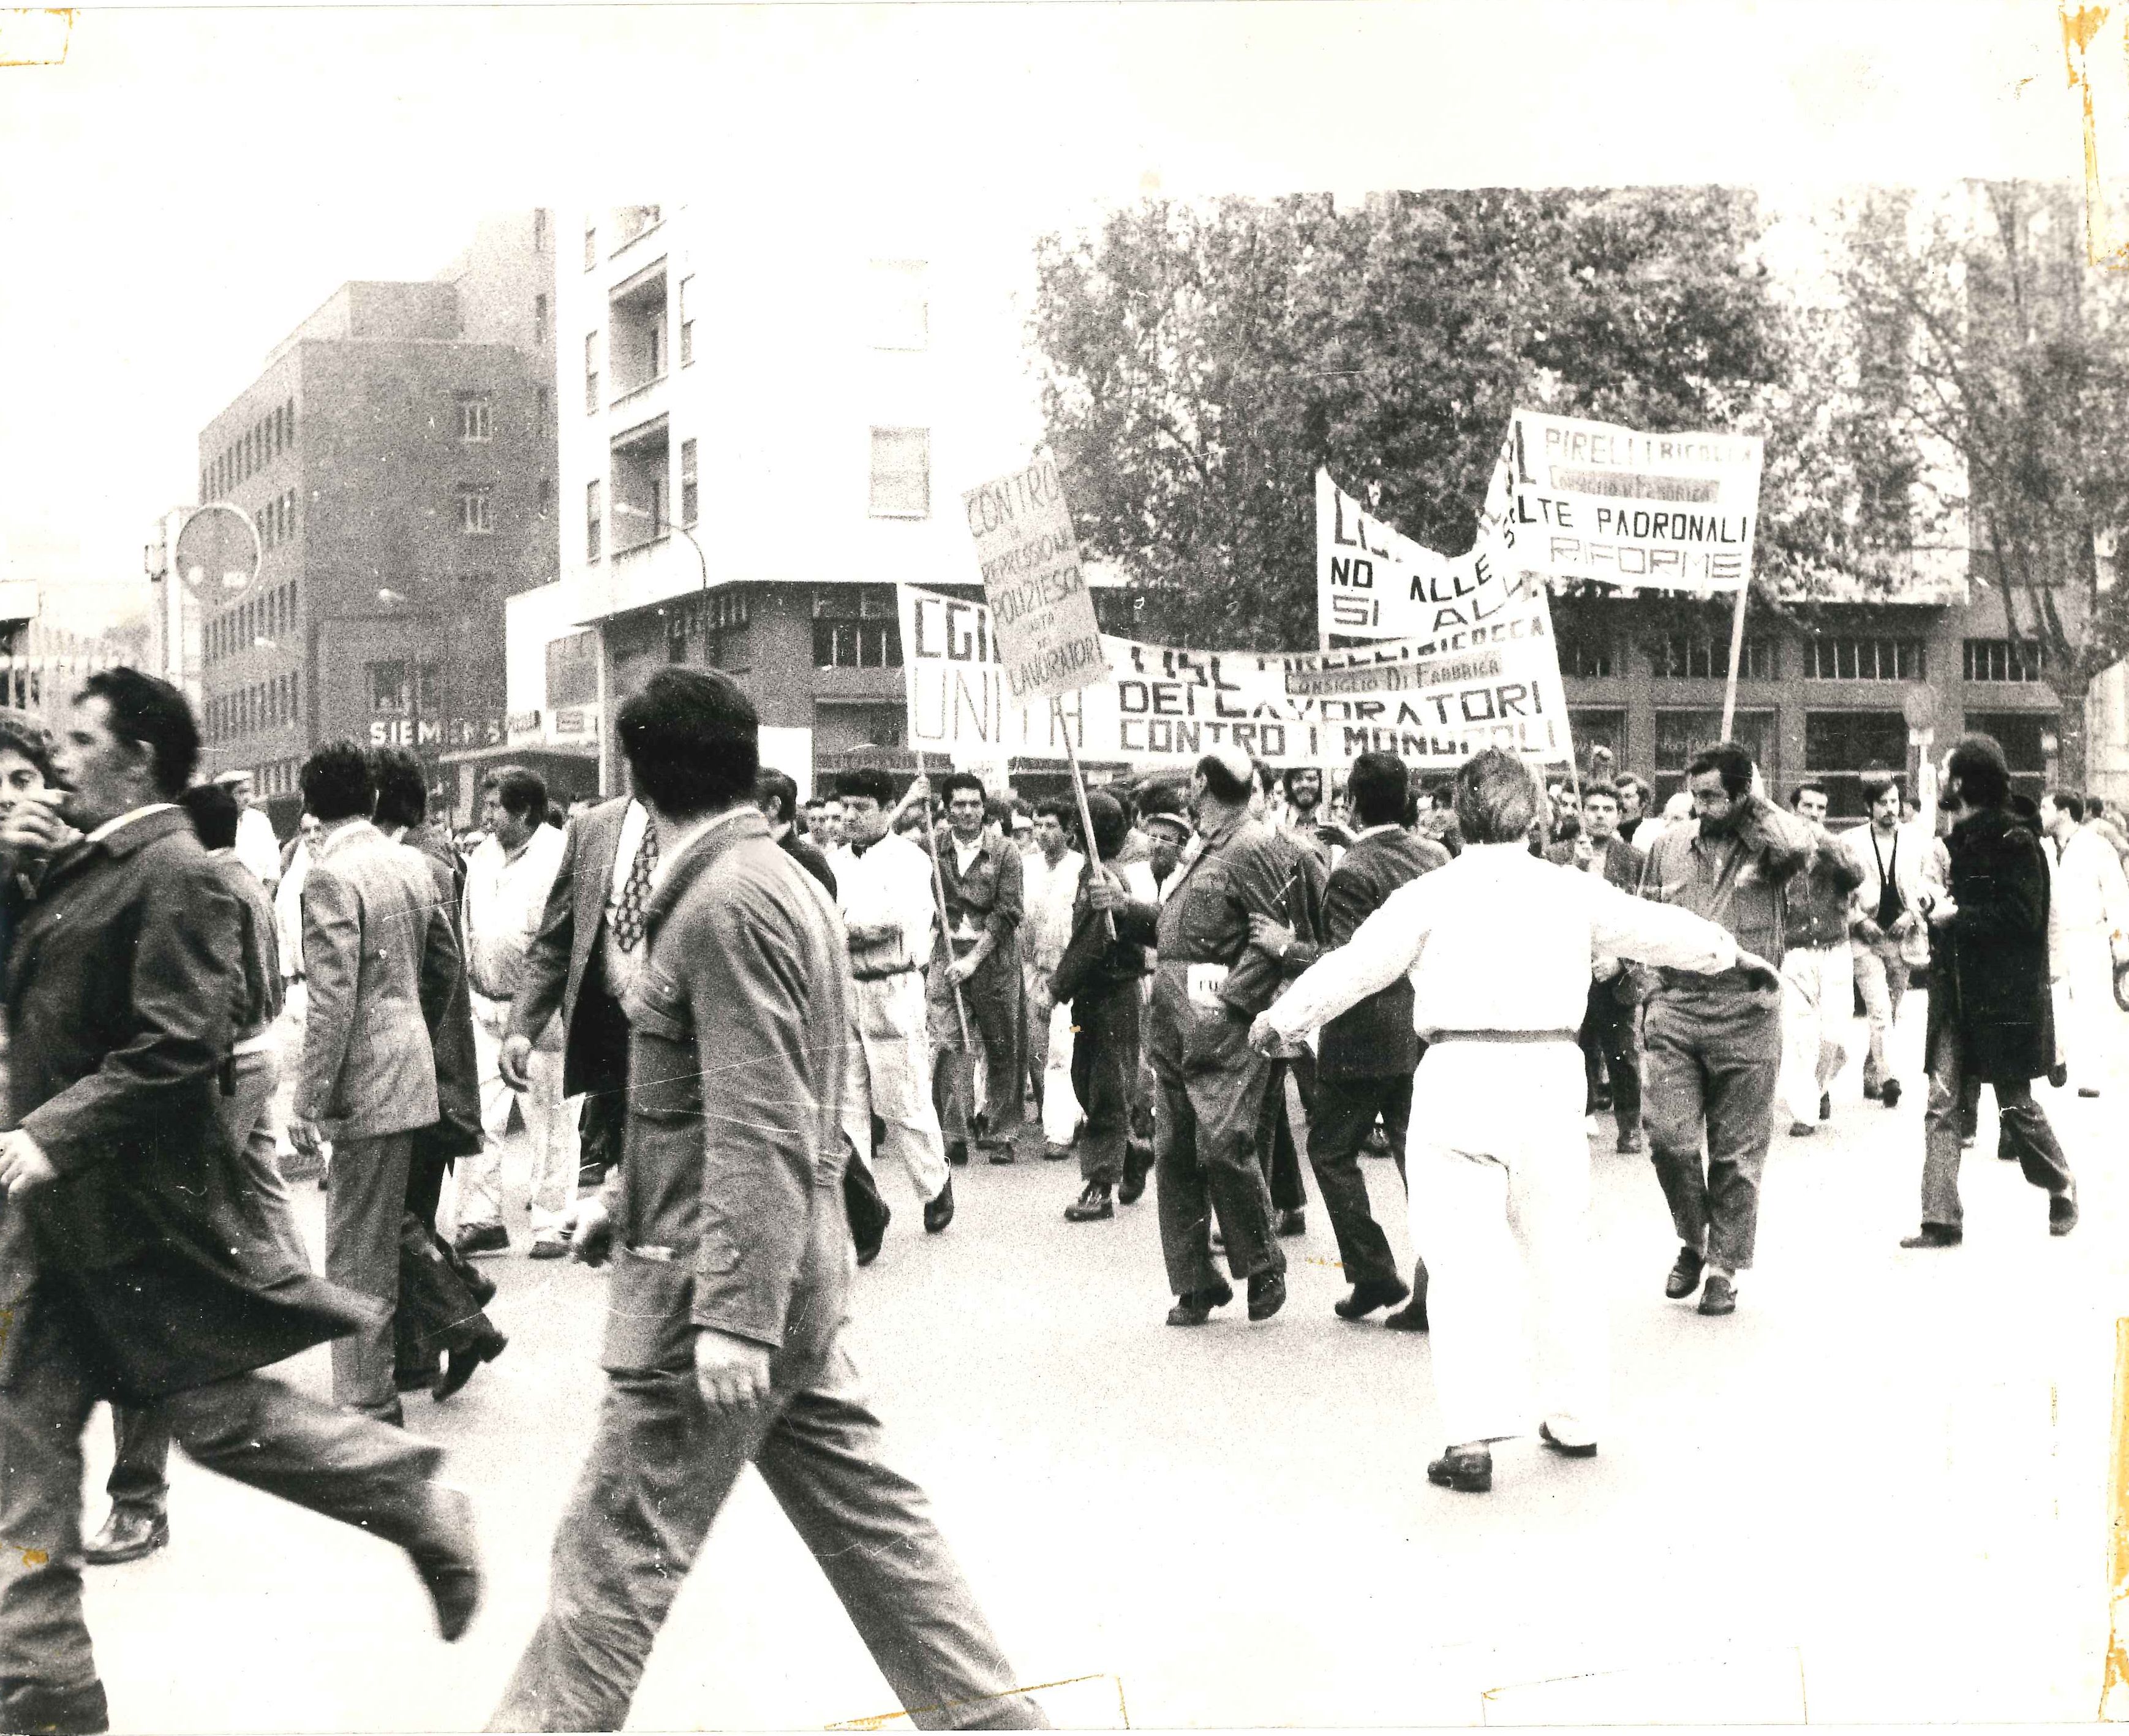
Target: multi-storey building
{"points": [[764, 426], [397, 456]]}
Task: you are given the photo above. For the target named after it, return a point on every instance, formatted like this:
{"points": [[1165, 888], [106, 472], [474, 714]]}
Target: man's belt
{"points": [[1561, 1036], [880, 976]]}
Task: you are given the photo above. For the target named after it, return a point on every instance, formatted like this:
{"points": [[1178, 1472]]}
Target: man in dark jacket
{"points": [[1366, 1057], [724, 1339], [1611, 1043], [1989, 1011], [984, 889], [147, 1288]]}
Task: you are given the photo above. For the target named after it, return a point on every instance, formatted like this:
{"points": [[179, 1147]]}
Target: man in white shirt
{"points": [[1051, 882], [2092, 906], [1893, 857], [256, 846], [883, 886], [1497, 944], [507, 881]]}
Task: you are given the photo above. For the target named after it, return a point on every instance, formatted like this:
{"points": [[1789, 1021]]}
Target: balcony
{"points": [[638, 358]]}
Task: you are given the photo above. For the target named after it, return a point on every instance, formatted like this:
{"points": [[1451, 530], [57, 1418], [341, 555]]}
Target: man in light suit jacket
{"points": [[372, 924], [724, 1339], [1611, 1047]]}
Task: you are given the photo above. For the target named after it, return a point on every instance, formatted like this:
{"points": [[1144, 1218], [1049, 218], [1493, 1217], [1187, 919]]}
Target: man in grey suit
{"points": [[725, 1320], [372, 925]]}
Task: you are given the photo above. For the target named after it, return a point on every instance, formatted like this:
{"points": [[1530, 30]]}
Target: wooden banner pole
{"points": [[945, 926], [1079, 794], [1736, 656]]}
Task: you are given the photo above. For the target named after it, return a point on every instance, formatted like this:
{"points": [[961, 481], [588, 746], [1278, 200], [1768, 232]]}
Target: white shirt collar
{"points": [[127, 819]]}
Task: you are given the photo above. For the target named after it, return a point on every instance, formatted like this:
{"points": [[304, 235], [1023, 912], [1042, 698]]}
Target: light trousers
{"points": [[2090, 1039], [1881, 974], [890, 1077], [1497, 1169], [1818, 991], [550, 1122]]}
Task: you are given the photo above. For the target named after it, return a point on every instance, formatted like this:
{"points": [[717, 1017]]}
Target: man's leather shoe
{"points": [[1718, 1296], [478, 1284], [1684, 1276], [1826, 1105], [1377, 1144], [1293, 1222], [939, 1211], [1469, 1469], [2088, 1090], [39, 1706], [461, 1366], [447, 1557], [957, 1152], [1631, 1142], [1889, 1094], [1935, 1235], [869, 1246], [2062, 1212], [1092, 1206], [998, 1151], [591, 1176], [413, 1379], [2058, 1075], [550, 1247], [481, 1239], [1566, 1449], [1138, 1164], [1872, 1090], [1194, 1307], [1803, 1129], [1054, 1154], [1369, 1296], [1410, 1318], [127, 1536], [1267, 1295]]}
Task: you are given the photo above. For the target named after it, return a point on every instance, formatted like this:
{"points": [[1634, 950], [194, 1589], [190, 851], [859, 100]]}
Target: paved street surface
{"points": [[1877, 1492]]}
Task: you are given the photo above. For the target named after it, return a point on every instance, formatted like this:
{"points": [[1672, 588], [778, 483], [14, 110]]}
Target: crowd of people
{"points": [[717, 1009]]}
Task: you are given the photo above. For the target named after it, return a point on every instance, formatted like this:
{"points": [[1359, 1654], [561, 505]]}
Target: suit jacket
{"points": [[447, 1010], [728, 1214], [808, 858], [373, 927], [121, 983], [568, 937]]}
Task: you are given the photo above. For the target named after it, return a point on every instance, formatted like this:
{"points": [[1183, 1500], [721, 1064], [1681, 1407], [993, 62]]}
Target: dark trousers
{"points": [[1713, 1065], [362, 1210], [991, 998], [660, 1467], [1104, 1067], [250, 1428], [2023, 1124], [1205, 1160], [1338, 1125], [1277, 1153], [1612, 1052], [439, 1308]]}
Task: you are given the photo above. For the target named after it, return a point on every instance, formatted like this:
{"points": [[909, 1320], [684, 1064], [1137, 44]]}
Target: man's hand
{"points": [[23, 1164], [1603, 968], [964, 967], [1904, 924], [1105, 890], [733, 1373], [33, 828], [1270, 936], [1942, 911], [919, 790], [306, 1136], [517, 1051], [594, 1240], [1868, 932], [1264, 1036], [1758, 972]]}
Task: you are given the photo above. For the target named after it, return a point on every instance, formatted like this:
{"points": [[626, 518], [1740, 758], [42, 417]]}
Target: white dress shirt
{"points": [[621, 965], [127, 819], [890, 883], [1046, 896], [257, 847], [1497, 940], [505, 896], [2089, 889]]}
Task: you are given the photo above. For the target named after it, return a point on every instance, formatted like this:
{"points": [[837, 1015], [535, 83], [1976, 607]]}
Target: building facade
{"points": [[398, 457]]}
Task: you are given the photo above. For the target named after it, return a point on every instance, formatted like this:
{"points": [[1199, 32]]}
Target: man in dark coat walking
{"points": [[1988, 1010], [146, 1287]]}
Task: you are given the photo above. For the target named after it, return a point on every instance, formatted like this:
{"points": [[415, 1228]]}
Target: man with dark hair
{"points": [[148, 1287], [883, 885], [979, 874], [1496, 947], [725, 1316], [1302, 787], [509, 881], [1818, 980], [1633, 803], [1611, 1045], [777, 795], [1714, 1042], [1892, 855], [1304, 872], [1365, 1057], [1051, 877], [1988, 1013]]}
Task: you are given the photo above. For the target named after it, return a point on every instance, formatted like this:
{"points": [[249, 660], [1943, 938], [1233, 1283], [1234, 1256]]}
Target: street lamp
{"points": [[658, 524]]}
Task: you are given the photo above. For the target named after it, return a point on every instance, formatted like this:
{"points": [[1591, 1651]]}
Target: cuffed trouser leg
{"points": [[1713, 1071], [1104, 1061], [362, 1212], [1881, 974], [890, 1077], [480, 1177], [993, 994], [1205, 1154], [1942, 1128], [1346, 1110], [43, 1634], [140, 1480], [661, 1466]]}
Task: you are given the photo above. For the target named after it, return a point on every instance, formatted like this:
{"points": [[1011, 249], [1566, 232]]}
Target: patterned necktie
{"points": [[635, 890]]}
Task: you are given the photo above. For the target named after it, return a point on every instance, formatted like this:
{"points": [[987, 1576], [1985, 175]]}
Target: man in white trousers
{"points": [[2091, 905], [1818, 972], [1497, 944]]}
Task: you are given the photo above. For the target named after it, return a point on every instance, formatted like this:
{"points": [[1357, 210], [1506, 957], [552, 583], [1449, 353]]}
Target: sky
{"points": [[191, 182]]}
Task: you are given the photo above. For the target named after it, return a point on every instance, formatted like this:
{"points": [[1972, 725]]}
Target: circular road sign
{"points": [[1918, 705], [218, 554]]}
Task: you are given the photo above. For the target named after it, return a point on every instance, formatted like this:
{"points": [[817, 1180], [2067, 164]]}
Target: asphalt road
{"points": [[1877, 1492]]}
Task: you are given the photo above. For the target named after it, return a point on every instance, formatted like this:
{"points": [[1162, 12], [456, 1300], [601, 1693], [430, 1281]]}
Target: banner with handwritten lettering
{"points": [[1374, 582]]}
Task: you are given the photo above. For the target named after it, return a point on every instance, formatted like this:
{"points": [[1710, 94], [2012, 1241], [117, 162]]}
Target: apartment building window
{"points": [[730, 612], [203, 488], [1681, 735], [1839, 747], [689, 494], [594, 521], [1587, 654], [901, 485], [1847, 659], [635, 220], [2005, 660], [473, 512], [290, 417], [473, 423], [572, 671], [292, 511], [1690, 658], [687, 326], [539, 319], [1599, 728], [855, 626], [591, 246], [901, 314], [591, 373], [388, 697]]}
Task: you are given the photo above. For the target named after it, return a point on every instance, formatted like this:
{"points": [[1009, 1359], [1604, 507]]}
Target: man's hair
{"points": [[153, 714], [213, 809], [1110, 827], [1627, 780], [1496, 799], [814, 803], [1220, 778], [1379, 786], [1287, 778], [1877, 780], [692, 739], [523, 794], [1731, 761], [1059, 810], [954, 780], [866, 780], [2025, 808], [1160, 795], [772, 789], [2069, 801], [1984, 776], [1265, 776], [403, 792], [1797, 795], [1609, 791], [336, 782], [28, 737], [2095, 808]]}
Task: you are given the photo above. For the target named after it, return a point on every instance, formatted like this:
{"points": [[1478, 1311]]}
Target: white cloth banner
{"points": [[1374, 582], [1497, 686]]}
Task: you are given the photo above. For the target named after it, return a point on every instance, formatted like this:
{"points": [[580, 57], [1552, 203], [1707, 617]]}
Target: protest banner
{"points": [[1049, 643], [1497, 686], [1374, 582]]}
